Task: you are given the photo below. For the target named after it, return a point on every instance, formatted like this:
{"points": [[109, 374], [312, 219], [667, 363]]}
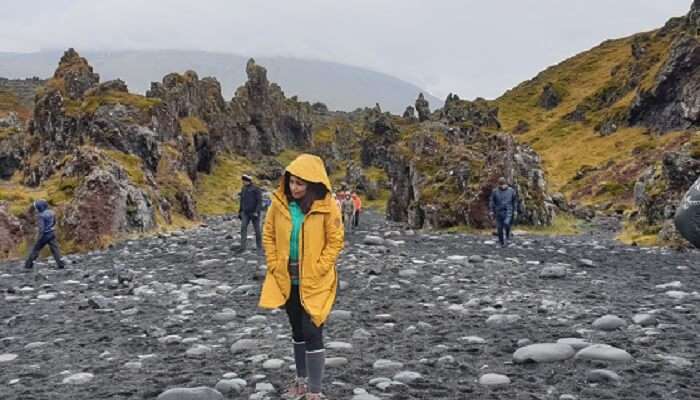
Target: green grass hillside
{"points": [[602, 82]]}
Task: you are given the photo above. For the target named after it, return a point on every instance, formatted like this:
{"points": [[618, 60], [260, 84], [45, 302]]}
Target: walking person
{"points": [[46, 235], [502, 206], [249, 211], [347, 207], [303, 236], [357, 201]]}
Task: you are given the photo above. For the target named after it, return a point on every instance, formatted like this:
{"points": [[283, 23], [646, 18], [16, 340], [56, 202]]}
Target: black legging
{"points": [[303, 329]]}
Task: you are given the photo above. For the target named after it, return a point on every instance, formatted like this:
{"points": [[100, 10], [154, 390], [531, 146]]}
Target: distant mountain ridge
{"points": [[339, 86]]}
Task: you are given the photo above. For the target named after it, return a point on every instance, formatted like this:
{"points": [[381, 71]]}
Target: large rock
{"points": [[76, 74], [673, 102], [198, 393], [436, 183], [423, 108], [550, 97], [544, 352], [11, 232], [107, 204], [603, 352]]}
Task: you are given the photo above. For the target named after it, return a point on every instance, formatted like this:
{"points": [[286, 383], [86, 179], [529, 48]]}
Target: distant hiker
{"points": [[266, 202], [337, 202], [303, 236], [502, 205], [347, 207], [358, 208], [249, 211], [46, 235]]}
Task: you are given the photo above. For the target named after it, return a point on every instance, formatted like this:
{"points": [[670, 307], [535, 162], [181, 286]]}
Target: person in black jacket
{"points": [[46, 225], [503, 206], [250, 211]]}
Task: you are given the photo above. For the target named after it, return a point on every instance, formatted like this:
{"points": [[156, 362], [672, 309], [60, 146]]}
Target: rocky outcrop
{"points": [[11, 232], [410, 114], [11, 145], [550, 97], [422, 108], [24, 89], [479, 113], [381, 134], [445, 179], [660, 188], [75, 74], [106, 203], [11, 155], [271, 121], [674, 100]]}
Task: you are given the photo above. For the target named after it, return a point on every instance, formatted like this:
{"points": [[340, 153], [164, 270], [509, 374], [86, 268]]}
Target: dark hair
{"points": [[314, 191]]}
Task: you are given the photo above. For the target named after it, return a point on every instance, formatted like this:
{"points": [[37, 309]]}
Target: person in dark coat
{"points": [[46, 235], [250, 210], [502, 205]]}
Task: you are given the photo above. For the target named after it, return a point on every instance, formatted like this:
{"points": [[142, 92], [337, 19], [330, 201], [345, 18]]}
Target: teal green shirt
{"points": [[297, 221]]}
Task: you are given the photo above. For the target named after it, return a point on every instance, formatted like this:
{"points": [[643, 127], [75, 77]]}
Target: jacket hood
{"points": [[41, 205], [309, 168]]}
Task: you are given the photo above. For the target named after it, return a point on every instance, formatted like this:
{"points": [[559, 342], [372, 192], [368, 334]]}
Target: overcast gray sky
{"points": [[469, 47]]}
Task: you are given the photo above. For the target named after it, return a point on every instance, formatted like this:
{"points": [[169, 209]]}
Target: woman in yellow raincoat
{"points": [[302, 237]]}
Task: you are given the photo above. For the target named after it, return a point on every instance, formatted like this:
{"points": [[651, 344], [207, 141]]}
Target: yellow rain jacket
{"points": [[321, 240]]}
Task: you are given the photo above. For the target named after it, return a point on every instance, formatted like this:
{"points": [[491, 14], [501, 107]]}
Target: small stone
{"points": [[603, 352], [576, 343], [670, 285], [609, 323], [553, 272], [336, 362], [198, 350], [35, 345], [273, 364], [602, 375], [407, 273], [494, 380], [373, 240], [678, 362], [170, 339], [584, 262], [257, 319], [46, 296], [361, 334], [7, 357], [264, 387], [677, 294], [133, 365], [544, 352], [78, 379], [244, 345], [225, 315], [341, 315], [229, 386], [339, 346], [407, 377], [644, 319], [445, 360], [387, 364], [198, 393], [502, 320], [364, 396], [472, 340]]}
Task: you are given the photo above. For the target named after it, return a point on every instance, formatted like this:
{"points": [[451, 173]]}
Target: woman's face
{"points": [[297, 187]]}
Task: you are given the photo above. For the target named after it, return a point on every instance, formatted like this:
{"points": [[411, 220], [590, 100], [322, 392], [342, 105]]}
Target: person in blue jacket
{"points": [[46, 235], [503, 205]]}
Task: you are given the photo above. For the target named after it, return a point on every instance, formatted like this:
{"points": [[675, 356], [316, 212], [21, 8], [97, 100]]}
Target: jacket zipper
{"points": [[301, 269]]}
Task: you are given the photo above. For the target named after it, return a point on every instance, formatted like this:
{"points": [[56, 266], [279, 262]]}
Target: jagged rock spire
{"points": [[76, 74]]}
